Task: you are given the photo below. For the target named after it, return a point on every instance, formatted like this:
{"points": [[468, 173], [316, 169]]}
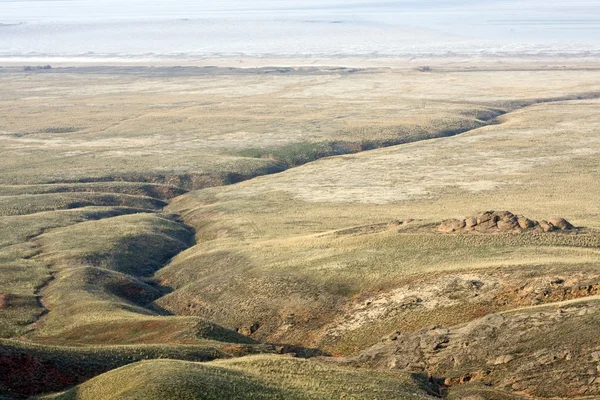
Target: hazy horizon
{"points": [[288, 28]]}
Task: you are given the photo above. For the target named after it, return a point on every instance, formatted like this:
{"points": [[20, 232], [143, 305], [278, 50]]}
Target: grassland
{"points": [[258, 377], [130, 229], [203, 127], [28, 369], [284, 238]]}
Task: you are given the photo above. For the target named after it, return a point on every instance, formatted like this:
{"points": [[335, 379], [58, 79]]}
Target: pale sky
{"points": [[286, 26]]}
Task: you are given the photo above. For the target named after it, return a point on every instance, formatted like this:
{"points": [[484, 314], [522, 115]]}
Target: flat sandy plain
{"points": [[212, 211]]}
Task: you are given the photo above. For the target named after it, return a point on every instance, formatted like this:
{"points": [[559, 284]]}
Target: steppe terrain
{"points": [[300, 232]]}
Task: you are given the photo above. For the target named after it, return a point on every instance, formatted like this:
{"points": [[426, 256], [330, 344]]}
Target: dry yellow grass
{"points": [[268, 236], [259, 377], [161, 125], [303, 257]]}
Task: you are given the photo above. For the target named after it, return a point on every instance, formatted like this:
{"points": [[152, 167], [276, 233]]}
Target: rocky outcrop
{"points": [[518, 351], [503, 221]]}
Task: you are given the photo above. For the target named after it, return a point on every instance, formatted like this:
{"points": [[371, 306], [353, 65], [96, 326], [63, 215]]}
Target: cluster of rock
{"points": [[503, 221]]}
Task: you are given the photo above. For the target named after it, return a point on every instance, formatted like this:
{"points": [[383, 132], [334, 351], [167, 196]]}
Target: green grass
{"points": [[129, 188], [22, 311], [65, 129], [29, 204], [102, 288], [295, 154], [21, 273], [99, 265], [20, 228], [28, 369], [258, 377], [300, 153], [136, 244], [315, 277]]}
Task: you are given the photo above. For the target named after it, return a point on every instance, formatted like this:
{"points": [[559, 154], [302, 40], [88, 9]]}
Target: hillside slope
{"points": [[246, 378], [370, 260]]}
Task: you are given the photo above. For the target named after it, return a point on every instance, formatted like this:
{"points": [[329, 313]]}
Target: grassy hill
{"points": [[28, 369], [258, 377], [315, 244], [110, 254]]}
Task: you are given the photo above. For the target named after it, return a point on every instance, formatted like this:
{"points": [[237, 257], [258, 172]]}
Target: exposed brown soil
{"points": [[23, 374], [5, 300]]}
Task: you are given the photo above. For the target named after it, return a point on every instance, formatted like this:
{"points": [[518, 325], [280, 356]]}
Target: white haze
{"points": [[282, 28]]}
